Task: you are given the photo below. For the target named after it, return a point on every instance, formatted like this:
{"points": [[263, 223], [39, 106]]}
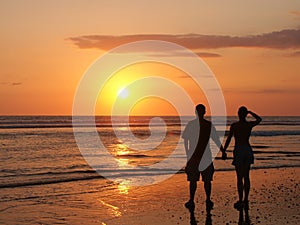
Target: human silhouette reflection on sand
{"points": [[193, 221], [244, 220]]}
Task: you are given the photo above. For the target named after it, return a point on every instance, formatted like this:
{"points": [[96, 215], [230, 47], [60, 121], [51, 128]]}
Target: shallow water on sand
{"points": [[44, 175]]}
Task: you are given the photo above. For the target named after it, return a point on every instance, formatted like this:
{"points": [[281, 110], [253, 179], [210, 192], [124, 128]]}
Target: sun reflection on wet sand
{"points": [[114, 210], [124, 187]]}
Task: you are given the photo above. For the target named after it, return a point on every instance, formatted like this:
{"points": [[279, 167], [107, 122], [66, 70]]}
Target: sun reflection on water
{"points": [[121, 152], [121, 149], [123, 163]]}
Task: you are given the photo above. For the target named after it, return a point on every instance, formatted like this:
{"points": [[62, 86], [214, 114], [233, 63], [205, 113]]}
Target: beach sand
{"points": [[274, 199]]}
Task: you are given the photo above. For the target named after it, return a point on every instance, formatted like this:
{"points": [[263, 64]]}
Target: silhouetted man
{"points": [[196, 142]]}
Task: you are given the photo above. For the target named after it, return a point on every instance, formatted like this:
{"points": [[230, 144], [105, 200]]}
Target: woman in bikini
{"points": [[242, 154]]}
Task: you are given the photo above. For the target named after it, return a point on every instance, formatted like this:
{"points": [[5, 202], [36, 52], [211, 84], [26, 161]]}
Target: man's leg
{"points": [[190, 204], [193, 187], [207, 188], [207, 177]]}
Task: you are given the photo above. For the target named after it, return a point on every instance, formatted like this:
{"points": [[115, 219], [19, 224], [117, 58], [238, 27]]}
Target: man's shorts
{"points": [[242, 155], [207, 174]]}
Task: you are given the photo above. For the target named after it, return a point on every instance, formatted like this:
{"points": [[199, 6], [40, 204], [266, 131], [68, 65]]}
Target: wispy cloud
{"points": [[276, 40], [16, 83], [295, 14], [183, 54], [207, 54], [295, 54], [261, 91], [11, 83]]}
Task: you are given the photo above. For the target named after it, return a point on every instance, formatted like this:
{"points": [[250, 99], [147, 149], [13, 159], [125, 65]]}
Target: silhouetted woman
{"points": [[242, 153]]}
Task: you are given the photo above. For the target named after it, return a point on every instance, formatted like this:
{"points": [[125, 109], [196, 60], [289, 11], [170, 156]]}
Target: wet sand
{"points": [[274, 199]]}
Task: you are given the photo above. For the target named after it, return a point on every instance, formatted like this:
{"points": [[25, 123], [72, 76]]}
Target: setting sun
{"points": [[123, 93]]}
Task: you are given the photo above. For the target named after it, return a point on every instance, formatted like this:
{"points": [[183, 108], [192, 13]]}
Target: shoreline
{"points": [[96, 176], [274, 199], [99, 176]]}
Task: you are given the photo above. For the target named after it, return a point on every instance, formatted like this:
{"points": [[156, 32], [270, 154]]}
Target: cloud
{"points": [[275, 40], [295, 14], [207, 54], [11, 83], [182, 54], [295, 54], [16, 83], [261, 91]]}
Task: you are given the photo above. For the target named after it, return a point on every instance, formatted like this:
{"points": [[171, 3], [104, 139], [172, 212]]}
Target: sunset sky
{"points": [[252, 47]]}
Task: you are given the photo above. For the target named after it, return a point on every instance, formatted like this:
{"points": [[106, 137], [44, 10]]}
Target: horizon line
{"points": [[139, 115]]}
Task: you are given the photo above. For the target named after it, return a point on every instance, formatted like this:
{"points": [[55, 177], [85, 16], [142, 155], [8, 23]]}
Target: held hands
{"points": [[224, 154]]}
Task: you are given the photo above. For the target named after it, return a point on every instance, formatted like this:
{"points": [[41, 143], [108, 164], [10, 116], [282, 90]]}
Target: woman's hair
{"points": [[243, 111]]}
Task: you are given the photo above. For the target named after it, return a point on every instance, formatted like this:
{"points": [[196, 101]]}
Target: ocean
{"points": [[40, 150], [44, 178]]}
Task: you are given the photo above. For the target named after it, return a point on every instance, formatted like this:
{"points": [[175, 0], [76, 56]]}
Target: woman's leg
{"points": [[207, 188], [247, 182], [240, 186]]}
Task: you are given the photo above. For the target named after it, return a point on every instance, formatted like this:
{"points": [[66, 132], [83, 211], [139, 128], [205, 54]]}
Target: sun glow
{"points": [[121, 87], [123, 93]]}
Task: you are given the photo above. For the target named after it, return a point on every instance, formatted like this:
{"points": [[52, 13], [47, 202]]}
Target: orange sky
{"points": [[47, 46]]}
